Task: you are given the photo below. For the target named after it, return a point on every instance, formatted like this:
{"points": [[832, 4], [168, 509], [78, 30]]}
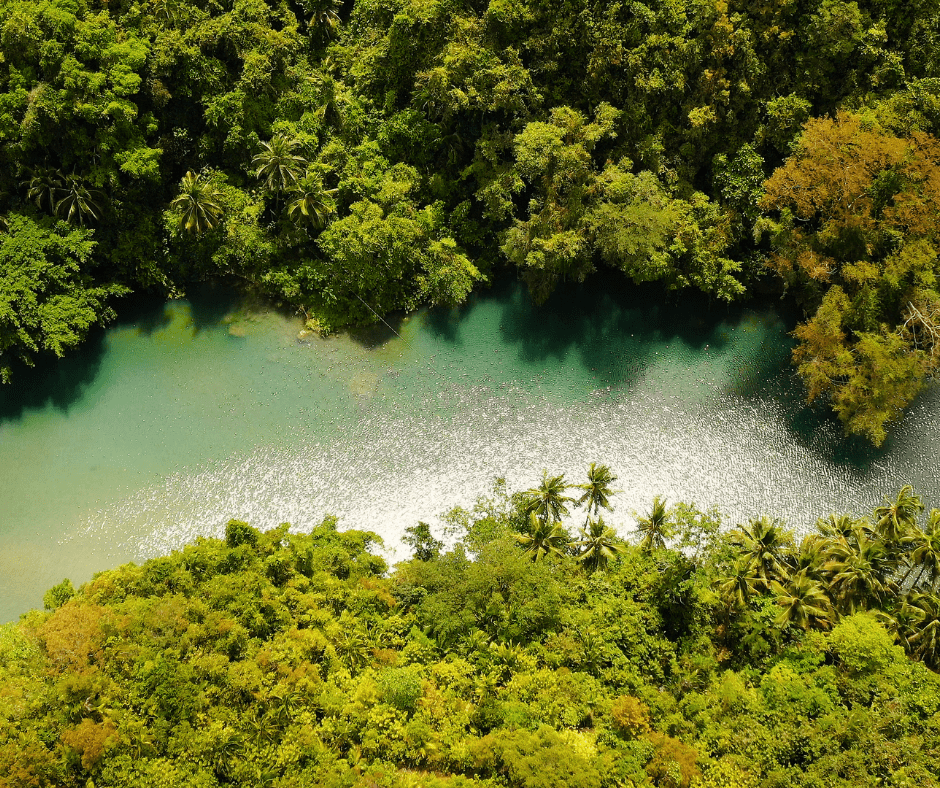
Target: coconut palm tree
{"points": [[737, 584], [925, 641], [77, 203], [597, 489], [901, 621], [599, 545], [544, 538], [548, 499], [44, 187], [893, 519], [859, 571], [803, 602], [324, 17], [768, 546], [198, 204], [925, 551], [655, 528], [310, 202], [836, 525], [277, 164], [812, 556]]}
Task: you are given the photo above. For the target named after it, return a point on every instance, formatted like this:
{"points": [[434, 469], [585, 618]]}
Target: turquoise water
{"points": [[188, 413]]}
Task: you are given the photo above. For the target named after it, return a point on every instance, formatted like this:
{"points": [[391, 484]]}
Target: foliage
{"points": [[289, 658], [359, 158]]}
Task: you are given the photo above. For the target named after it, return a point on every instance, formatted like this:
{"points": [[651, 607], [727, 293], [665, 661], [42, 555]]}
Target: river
{"points": [[185, 414]]}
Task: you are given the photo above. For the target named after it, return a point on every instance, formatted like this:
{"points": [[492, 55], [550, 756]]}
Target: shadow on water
{"points": [[210, 303], [377, 334], [53, 381], [618, 328]]}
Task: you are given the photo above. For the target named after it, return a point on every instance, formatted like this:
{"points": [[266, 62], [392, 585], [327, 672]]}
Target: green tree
{"points": [[597, 489], [310, 202], [655, 528], [895, 518], [48, 298], [925, 551], [925, 640], [198, 205], [77, 203], [548, 500], [423, 544], [768, 546], [599, 545], [543, 538], [803, 602], [859, 570], [737, 584], [277, 165]]}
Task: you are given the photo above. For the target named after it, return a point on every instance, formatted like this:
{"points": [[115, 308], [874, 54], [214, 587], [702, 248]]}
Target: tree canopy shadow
{"points": [[59, 382]]}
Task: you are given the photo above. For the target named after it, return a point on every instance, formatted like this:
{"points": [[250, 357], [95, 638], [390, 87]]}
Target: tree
{"points": [[811, 556], [197, 205], [77, 203], [768, 546], [48, 299], [925, 641], [310, 202], [655, 528], [277, 165], [859, 571], [44, 187], [736, 585], [599, 545], [597, 489], [544, 538], [803, 602], [925, 551], [548, 499], [854, 236], [424, 546], [324, 17], [894, 519]]}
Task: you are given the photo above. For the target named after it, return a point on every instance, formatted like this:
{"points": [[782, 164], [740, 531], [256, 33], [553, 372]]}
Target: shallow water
{"points": [[186, 414]]}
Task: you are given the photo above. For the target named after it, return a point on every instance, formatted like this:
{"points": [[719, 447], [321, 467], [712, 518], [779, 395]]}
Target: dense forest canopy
{"points": [[693, 656], [360, 157]]}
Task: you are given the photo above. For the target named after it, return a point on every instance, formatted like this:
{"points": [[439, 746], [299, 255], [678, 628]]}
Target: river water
{"points": [[186, 414]]}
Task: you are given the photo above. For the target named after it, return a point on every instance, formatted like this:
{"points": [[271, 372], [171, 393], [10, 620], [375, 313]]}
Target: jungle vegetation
{"points": [[353, 158], [506, 653]]}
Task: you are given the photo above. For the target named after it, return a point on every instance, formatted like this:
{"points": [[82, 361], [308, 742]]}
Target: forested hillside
{"points": [[517, 658], [361, 157]]}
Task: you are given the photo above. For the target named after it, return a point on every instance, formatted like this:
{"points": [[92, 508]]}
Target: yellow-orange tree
{"points": [[855, 231]]}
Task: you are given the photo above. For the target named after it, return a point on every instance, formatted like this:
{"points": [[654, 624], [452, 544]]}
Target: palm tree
{"points": [[859, 570], [544, 538], [600, 544], [311, 202], [548, 499], [901, 621], [893, 519], [197, 204], [925, 552], [324, 17], [597, 489], [76, 202], [655, 528], [768, 546], [812, 556], [277, 165], [803, 601], [836, 525], [737, 584], [44, 187], [926, 639]]}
